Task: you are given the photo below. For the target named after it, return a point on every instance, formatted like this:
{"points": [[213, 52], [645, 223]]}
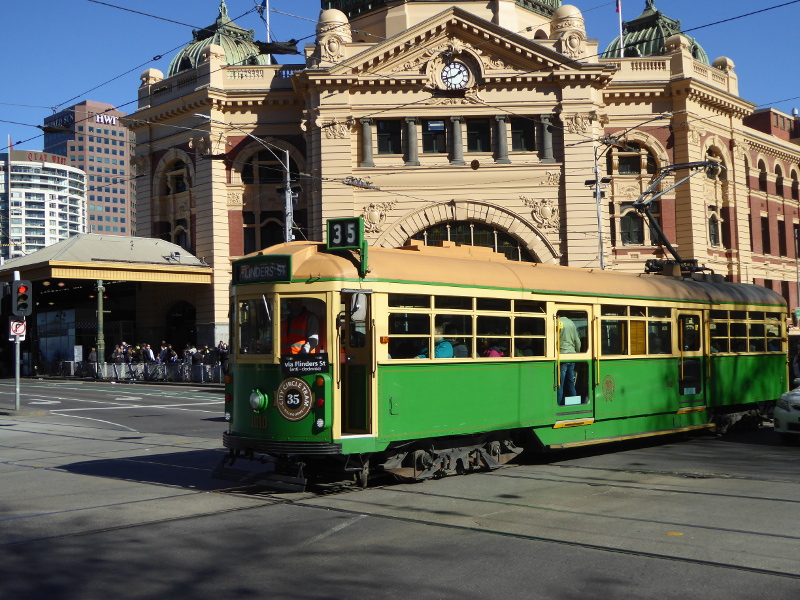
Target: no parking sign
{"points": [[17, 329]]}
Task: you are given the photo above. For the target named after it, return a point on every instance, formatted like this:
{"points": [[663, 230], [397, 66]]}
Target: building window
{"points": [[389, 137], [782, 238], [778, 181], [635, 159], [262, 229], [469, 233], [434, 137], [479, 135], [762, 176], [265, 168], [713, 230], [523, 134], [765, 235], [631, 229]]}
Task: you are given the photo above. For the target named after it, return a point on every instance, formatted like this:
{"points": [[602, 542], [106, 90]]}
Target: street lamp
{"points": [[288, 208]]}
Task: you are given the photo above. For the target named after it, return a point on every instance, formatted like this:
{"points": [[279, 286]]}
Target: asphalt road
{"points": [[90, 509]]}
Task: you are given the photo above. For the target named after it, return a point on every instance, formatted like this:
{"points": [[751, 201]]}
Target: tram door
{"points": [[691, 382], [573, 370], [356, 355]]}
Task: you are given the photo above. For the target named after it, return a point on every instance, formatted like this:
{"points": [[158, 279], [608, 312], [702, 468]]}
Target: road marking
{"points": [[44, 402], [101, 421], [333, 530], [146, 406]]}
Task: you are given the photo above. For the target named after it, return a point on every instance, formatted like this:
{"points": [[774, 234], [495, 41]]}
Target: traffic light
{"points": [[21, 298]]}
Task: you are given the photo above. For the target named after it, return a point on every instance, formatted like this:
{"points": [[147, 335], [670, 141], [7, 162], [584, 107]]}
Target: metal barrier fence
{"points": [[177, 372]]}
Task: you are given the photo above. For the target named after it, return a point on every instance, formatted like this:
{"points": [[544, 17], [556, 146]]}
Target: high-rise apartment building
{"points": [[93, 138], [42, 201]]}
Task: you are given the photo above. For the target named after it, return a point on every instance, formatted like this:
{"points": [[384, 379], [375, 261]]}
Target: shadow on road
{"points": [[193, 469]]}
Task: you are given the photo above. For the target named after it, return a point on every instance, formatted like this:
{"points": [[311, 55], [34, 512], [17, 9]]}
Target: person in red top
{"points": [[299, 330]]}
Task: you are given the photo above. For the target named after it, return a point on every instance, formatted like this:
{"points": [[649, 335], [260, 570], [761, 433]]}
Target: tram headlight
{"points": [[258, 400], [320, 423]]}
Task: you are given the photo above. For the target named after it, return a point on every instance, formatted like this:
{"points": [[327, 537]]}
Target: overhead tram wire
{"points": [[304, 18], [379, 112]]}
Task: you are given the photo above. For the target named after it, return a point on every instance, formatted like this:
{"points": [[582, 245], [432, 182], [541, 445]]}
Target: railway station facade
{"points": [[476, 123]]}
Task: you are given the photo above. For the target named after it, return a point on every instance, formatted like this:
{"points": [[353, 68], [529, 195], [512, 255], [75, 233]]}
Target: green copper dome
{"points": [[234, 40], [646, 35], [356, 8]]}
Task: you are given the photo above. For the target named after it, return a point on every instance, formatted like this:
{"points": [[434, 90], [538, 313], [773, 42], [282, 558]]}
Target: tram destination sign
{"points": [[304, 364], [277, 267]]}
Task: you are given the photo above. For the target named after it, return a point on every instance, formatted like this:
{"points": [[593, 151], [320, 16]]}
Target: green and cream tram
{"points": [[657, 354]]}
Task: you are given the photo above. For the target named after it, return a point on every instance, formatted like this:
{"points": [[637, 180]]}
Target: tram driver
{"points": [[570, 343], [299, 330]]}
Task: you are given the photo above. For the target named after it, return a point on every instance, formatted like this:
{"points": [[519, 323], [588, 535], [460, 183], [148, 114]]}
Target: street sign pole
{"points": [[16, 372]]}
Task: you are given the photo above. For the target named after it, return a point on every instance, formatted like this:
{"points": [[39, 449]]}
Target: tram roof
{"points": [[482, 268]]}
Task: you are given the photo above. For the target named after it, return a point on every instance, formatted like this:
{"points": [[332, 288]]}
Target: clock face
{"points": [[455, 75]]}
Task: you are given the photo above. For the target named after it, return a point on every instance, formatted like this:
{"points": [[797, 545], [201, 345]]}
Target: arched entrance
{"points": [[507, 231], [181, 325]]}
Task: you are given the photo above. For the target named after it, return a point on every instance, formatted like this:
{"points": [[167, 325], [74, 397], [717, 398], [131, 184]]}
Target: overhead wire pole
{"points": [[288, 209], [608, 141]]}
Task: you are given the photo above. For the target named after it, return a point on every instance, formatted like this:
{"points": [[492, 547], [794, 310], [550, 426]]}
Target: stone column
{"points": [[366, 143], [502, 140], [456, 143], [412, 157], [546, 137]]}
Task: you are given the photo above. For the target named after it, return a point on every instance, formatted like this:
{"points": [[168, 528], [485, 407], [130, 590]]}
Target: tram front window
{"points": [[301, 325], [255, 326]]}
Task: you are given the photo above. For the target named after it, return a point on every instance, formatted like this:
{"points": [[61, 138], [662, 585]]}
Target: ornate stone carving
{"points": [[336, 129], [141, 164], [572, 44], [544, 212], [375, 215], [470, 97], [235, 198], [201, 145], [627, 192], [552, 178], [577, 123]]}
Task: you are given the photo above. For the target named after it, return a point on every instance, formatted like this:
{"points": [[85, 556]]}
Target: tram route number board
{"points": [[345, 234]]}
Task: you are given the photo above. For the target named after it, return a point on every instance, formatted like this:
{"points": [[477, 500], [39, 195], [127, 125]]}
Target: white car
{"points": [[786, 418]]}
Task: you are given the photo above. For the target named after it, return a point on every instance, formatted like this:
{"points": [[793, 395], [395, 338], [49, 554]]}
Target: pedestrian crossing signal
{"points": [[21, 298]]}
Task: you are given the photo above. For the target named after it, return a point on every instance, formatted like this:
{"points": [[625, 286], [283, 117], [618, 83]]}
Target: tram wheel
{"points": [[362, 477]]}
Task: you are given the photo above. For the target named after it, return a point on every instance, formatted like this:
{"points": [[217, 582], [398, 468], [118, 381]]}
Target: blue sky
{"points": [[117, 45]]}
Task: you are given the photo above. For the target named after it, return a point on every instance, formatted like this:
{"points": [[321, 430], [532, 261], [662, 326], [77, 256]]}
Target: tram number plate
{"points": [[259, 422]]}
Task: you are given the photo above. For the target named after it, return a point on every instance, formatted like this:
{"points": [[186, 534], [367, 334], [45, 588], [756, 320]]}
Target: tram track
{"points": [[261, 498]]}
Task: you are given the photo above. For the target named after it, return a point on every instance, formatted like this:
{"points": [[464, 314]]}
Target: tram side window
{"points": [[255, 326], [659, 337], [409, 334], [690, 332], [743, 331], [494, 336], [529, 336], [457, 332], [613, 337]]}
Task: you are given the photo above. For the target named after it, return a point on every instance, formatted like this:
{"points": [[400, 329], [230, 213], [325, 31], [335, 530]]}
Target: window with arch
{"points": [[470, 233], [632, 226], [175, 179], [713, 226], [720, 174], [261, 229], [795, 186], [265, 168], [762, 176], [634, 159]]}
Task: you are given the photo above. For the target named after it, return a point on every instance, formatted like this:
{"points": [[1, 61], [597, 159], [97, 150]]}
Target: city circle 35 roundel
{"points": [[293, 399]]}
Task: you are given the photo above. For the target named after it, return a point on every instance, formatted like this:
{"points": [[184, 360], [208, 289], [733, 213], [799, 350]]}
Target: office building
{"points": [[94, 138]]}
